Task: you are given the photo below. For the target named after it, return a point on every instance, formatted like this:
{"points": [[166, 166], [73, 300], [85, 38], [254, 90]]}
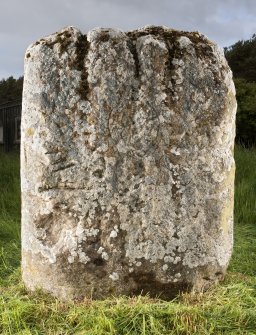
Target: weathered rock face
{"points": [[127, 163]]}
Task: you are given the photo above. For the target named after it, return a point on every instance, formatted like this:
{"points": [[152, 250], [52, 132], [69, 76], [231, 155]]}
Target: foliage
{"points": [[11, 89], [9, 215], [244, 256], [227, 308], [241, 57], [246, 112]]}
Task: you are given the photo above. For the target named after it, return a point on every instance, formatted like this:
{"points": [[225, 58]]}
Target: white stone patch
{"points": [[169, 259], [83, 258], [113, 234], [177, 260], [79, 230], [91, 232], [71, 259], [175, 151], [105, 256], [100, 250], [114, 276]]}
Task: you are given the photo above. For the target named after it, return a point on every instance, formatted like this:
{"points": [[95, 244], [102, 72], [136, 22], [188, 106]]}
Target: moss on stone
{"points": [[170, 36], [64, 39], [82, 47]]}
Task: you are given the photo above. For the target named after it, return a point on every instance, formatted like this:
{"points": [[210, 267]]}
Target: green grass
{"points": [[9, 216], [227, 308], [244, 256]]}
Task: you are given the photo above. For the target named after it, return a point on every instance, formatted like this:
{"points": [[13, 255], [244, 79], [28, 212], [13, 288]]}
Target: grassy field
{"points": [[228, 308]]}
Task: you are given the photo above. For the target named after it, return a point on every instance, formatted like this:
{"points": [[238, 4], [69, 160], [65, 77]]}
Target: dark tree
{"points": [[241, 57], [246, 112], [11, 89]]}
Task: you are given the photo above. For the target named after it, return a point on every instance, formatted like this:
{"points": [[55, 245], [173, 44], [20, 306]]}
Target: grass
{"points": [[227, 308], [9, 216], [244, 257]]}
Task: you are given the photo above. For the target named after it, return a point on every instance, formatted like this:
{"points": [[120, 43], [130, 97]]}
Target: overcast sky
{"points": [[24, 21]]}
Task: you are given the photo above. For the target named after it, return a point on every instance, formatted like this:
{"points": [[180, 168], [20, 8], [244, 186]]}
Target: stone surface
{"points": [[126, 163]]}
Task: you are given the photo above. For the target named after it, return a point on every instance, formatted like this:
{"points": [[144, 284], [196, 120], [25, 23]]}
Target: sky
{"points": [[24, 21]]}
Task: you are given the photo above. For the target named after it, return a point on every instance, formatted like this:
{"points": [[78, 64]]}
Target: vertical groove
{"points": [[132, 47], [82, 47]]}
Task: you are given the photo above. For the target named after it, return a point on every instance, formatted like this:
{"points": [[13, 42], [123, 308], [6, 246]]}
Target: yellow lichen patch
{"points": [[229, 206], [30, 132], [226, 215], [30, 266], [91, 119]]}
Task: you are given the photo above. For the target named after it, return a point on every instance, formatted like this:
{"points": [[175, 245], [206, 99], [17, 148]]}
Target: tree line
{"points": [[241, 57], [11, 89]]}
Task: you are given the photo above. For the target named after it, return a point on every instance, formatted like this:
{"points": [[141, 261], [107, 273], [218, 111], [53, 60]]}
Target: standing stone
{"points": [[127, 163]]}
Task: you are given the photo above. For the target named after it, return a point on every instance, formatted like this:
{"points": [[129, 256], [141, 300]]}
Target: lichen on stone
{"points": [[127, 165]]}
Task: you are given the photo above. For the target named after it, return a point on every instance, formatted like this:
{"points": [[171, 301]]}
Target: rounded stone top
{"points": [[104, 34], [163, 32]]}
